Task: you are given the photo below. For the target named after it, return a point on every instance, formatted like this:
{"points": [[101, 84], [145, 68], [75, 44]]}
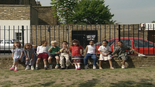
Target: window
{"points": [[142, 43], [126, 43], [18, 36]]}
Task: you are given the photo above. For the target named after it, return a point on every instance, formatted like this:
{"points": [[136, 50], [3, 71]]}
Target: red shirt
{"points": [[75, 50]]}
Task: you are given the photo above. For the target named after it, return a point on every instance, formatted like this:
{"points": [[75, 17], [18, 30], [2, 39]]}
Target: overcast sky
{"points": [[127, 11]]}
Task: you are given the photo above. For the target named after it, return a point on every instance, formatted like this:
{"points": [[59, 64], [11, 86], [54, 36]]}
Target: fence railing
{"points": [[138, 37]]}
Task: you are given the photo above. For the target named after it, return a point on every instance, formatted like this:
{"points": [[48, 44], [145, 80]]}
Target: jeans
{"points": [[93, 56]]}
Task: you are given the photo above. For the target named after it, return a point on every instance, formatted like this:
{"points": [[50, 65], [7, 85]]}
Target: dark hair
{"points": [[76, 41], [92, 40], [65, 42], [120, 42], [105, 41], [42, 42], [27, 44]]}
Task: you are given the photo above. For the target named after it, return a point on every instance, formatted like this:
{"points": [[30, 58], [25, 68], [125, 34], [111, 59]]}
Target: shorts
{"points": [[53, 55], [15, 59], [76, 59], [123, 57], [43, 56]]}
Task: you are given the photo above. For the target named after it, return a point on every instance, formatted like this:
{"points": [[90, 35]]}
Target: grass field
{"points": [[131, 77]]}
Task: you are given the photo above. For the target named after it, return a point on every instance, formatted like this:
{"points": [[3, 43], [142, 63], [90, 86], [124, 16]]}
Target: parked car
{"points": [[6, 45], [139, 44]]}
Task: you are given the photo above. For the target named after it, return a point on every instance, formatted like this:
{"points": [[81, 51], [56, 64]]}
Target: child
{"points": [[16, 55], [42, 52], [76, 54], [90, 52], [54, 53], [30, 56], [64, 53], [122, 52], [105, 54]]}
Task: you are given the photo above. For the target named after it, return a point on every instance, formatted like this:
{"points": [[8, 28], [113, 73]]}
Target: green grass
{"points": [[131, 77]]}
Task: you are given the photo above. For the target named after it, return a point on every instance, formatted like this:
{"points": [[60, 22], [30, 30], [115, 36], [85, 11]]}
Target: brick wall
{"points": [[132, 62], [64, 32], [45, 15]]}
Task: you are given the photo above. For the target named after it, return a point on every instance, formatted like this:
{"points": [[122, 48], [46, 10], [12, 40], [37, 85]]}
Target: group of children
{"points": [[47, 53]]}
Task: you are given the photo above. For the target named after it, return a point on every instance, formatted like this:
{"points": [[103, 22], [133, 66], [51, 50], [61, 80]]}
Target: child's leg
{"points": [[76, 66], [62, 61], [67, 60], [123, 62], [16, 66], [50, 60], [94, 58], [86, 59], [110, 63], [100, 63], [57, 59], [37, 62], [45, 63]]}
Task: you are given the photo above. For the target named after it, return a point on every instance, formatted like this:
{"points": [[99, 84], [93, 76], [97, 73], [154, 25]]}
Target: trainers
{"points": [[12, 68], [50, 66], [27, 68], [100, 68], [86, 67], [32, 67], [78, 69], [111, 67], [37, 68], [16, 70], [94, 67], [57, 66], [123, 66], [45, 68], [141, 54]]}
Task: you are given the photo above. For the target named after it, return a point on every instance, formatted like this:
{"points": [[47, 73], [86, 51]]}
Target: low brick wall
{"points": [[132, 62]]}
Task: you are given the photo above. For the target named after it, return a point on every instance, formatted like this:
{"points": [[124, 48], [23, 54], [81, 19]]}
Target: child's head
{"points": [[75, 43], [120, 43], [17, 45], [44, 43], [54, 43], [28, 46], [104, 43], [91, 42], [64, 43]]}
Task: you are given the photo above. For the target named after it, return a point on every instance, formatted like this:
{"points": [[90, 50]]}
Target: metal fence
{"points": [[141, 38]]}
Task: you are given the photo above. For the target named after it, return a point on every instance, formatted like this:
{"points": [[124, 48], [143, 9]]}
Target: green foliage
{"points": [[153, 21]]}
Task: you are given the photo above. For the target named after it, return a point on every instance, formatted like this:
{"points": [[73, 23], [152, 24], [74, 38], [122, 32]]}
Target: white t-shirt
{"points": [[91, 49], [104, 50], [42, 49]]}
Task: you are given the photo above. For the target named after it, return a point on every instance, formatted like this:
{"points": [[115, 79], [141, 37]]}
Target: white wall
{"points": [[11, 27]]}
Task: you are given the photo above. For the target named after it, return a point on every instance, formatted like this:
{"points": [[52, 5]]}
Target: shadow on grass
{"points": [[89, 83], [46, 84], [142, 83]]}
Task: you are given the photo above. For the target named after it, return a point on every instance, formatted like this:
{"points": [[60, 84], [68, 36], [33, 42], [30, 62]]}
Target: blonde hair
{"points": [[27, 44]]}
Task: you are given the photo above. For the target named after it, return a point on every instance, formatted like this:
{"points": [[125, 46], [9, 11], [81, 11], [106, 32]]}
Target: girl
{"points": [[30, 56], [54, 53], [76, 54], [105, 54], [16, 55], [64, 53], [122, 52], [42, 52], [90, 52]]}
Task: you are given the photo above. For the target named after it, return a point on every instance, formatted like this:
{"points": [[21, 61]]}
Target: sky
{"points": [[127, 11]]}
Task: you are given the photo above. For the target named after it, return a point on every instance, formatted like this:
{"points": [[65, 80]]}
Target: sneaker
{"points": [[86, 67], [100, 68], [57, 66], [50, 66], [37, 68], [78, 68], [94, 67], [123, 66], [27, 68], [32, 67], [16, 70], [111, 67], [45, 68], [141, 54], [12, 68]]}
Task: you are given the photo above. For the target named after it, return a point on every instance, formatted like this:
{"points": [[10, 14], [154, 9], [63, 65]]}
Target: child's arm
{"points": [[86, 51], [21, 55], [82, 49], [37, 50], [32, 56], [49, 50], [12, 55]]}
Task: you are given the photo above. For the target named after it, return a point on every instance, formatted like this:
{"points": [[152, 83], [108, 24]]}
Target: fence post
{"points": [[23, 35], [119, 32], [49, 30]]}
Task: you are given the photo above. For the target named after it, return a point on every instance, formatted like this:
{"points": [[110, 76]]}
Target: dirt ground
{"points": [[131, 77]]}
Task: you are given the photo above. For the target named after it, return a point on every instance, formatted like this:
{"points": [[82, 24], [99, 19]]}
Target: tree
{"points": [[153, 21], [91, 12], [63, 8]]}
